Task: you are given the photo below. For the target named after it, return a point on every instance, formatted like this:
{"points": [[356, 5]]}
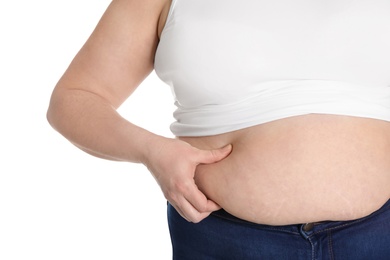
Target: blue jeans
{"points": [[223, 236]]}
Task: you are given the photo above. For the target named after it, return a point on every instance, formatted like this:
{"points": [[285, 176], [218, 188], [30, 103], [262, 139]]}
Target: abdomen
{"points": [[300, 169]]}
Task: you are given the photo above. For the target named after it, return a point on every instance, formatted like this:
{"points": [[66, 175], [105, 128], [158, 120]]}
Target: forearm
{"points": [[93, 125]]}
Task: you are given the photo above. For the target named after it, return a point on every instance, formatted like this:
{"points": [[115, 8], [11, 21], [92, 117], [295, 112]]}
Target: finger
{"points": [[215, 155], [188, 212], [198, 200], [181, 213], [192, 204], [212, 206], [192, 215]]}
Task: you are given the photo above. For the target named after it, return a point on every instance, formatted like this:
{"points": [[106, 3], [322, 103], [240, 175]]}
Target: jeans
{"points": [[223, 236]]}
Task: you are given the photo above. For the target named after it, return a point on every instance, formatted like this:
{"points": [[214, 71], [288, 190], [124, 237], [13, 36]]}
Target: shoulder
{"points": [[120, 52]]}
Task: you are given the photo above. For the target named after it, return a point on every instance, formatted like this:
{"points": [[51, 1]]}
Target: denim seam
{"points": [[313, 257], [352, 222], [337, 227], [330, 245]]}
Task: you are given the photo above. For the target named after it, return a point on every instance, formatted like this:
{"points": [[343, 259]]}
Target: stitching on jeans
{"points": [[330, 245], [383, 209], [312, 249], [337, 227], [254, 225]]}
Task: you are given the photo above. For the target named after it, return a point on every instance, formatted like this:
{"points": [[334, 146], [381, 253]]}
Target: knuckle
{"points": [[197, 219], [202, 208], [181, 187], [177, 189], [171, 196]]}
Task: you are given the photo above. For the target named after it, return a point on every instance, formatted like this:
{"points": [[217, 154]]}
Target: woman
{"points": [[282, 121]]}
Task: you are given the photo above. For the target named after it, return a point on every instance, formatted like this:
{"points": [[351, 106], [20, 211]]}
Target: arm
{"points": [[116, 58]]}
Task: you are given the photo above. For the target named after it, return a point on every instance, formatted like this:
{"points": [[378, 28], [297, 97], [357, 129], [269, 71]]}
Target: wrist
{"points": [[152, 147]]}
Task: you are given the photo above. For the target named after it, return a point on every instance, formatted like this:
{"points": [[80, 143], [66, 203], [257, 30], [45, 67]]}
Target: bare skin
{"points": [[295, 170], [301, 169], [116, 58]]}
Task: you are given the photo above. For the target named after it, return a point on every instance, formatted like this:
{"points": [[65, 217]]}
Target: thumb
{"points": [[215, 155]]}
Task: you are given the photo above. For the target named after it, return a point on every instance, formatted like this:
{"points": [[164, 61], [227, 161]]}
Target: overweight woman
{"points": [[282, 147]]}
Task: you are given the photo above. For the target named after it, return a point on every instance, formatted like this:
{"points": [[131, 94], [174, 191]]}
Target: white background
{"points": [[56, 202]]}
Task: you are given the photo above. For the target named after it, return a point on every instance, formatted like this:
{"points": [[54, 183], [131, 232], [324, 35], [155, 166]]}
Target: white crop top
{"points": [[233, 64]]}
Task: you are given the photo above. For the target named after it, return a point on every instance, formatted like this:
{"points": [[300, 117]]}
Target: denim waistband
{"points": [[306, 228]]}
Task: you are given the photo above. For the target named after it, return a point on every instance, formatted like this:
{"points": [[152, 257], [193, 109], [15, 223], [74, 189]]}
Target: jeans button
{"points": [[308, 226]]}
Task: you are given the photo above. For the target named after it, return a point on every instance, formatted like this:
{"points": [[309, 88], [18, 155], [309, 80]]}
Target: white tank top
{"points": [[233, 64]]}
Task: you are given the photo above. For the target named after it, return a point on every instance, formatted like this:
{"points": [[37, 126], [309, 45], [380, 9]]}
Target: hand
{"points": [[173, 166]]}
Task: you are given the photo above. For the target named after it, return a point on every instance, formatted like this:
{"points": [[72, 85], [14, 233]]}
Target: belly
{"points": [[300, 169]]}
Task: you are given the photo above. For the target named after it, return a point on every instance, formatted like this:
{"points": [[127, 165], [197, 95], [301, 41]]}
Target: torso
{"points": [[301, 169]]}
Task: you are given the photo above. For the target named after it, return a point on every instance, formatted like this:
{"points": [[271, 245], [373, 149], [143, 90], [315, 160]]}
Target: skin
{"points": [[301, 169], [329, 167], [116, 58]]}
